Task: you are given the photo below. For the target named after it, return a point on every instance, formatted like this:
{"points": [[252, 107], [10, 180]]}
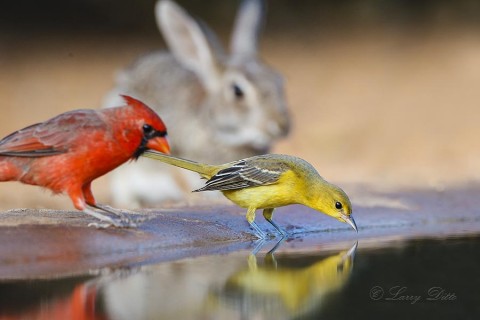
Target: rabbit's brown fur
{"points": [[217, 107]]}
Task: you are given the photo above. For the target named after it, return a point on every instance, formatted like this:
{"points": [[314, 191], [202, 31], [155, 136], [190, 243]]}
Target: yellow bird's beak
{"points": [[349, 220]]}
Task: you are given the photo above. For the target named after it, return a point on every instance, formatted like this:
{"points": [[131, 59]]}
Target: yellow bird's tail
{"points": [[205, 170]]}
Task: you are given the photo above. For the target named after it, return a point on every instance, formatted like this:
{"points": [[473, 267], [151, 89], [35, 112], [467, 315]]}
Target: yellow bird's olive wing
{"points": [[244, 174]]}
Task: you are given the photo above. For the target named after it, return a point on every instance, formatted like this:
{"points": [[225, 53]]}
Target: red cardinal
{"points": [[66, 153]]}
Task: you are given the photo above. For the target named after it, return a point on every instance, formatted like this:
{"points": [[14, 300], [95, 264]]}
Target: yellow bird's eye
{"points": [[338, 205]]}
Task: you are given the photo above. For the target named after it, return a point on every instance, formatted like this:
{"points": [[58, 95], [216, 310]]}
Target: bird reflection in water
{"points": [[206, 287], [273, 291]]}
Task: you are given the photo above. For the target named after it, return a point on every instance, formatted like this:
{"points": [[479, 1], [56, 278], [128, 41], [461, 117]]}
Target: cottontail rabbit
{"points": [[217, 107]]}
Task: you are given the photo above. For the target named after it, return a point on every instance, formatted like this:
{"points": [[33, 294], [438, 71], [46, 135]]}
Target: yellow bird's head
{"points": [[334, 202]]}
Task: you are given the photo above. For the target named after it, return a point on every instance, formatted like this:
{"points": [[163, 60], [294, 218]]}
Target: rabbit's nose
{"points": [[277, 129], [273, 128]]}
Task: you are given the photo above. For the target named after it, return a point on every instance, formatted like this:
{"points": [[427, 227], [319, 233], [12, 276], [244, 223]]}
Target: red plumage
{"points": [[66, 153]]}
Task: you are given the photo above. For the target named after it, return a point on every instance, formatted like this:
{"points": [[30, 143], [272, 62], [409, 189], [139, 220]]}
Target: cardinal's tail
{"points": [[205, 170]]}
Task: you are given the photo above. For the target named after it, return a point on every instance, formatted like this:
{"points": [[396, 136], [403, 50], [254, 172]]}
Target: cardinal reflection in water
{"points": [[269, 290]]}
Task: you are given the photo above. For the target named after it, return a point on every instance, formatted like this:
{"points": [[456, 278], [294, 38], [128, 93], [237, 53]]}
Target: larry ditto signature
{"points": [[401, 293]]}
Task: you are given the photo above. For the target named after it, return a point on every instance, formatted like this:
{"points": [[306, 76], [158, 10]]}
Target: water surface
{"points": [[428, 278]]}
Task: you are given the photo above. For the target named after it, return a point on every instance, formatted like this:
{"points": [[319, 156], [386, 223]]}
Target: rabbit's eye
{"points": [[237, 91]]}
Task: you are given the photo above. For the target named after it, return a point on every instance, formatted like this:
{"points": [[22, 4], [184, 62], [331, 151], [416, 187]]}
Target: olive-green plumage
{"points": [[267, 182]]}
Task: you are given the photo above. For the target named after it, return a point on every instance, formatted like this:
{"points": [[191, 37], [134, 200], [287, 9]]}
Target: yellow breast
{"points": [[286, 191]]}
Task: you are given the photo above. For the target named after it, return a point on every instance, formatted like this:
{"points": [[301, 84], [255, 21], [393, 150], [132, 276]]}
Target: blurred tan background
{"points": [[384, 94]]}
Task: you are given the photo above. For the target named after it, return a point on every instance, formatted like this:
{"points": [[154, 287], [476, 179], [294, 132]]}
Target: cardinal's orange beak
{"points": [[159, 144]]}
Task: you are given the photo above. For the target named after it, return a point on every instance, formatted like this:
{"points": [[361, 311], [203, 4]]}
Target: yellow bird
{"points": [[295, 291], [267, 182]]}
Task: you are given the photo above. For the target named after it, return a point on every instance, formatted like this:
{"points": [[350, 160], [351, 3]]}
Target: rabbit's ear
{"points": [[187, 42], [248, 24]]}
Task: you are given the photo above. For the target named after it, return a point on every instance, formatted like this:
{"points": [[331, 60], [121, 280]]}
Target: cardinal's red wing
{"points": [[51, 137]]}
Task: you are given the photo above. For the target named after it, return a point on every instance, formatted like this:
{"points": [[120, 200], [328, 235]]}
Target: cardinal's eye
{"points": [[338, 205], [147, 129]]}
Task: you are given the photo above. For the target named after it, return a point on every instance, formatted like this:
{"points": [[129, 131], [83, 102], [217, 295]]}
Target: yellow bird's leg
{"points": [[268, 215], [251, 220]]}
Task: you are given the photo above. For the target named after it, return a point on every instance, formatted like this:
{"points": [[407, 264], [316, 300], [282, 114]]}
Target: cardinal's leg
{"points": [[78, 199], [90, 200]]}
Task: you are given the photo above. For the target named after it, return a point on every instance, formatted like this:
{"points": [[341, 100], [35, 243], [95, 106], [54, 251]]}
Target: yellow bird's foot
{"points": [[280, 230], [258, 232], [277, 245], [258, 246]]}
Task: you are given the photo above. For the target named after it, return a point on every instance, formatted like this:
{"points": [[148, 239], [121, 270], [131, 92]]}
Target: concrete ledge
{"points": [[45, 243]]}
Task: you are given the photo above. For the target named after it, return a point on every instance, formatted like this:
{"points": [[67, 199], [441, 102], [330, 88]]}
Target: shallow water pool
{"points": [[293, 279]]}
